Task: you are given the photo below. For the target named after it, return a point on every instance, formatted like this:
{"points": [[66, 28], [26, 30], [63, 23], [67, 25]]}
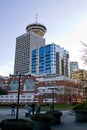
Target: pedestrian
{"points": [[33, 108], [26, 107], [38, 109], [47, 107], [13, 109], [28, 111]]}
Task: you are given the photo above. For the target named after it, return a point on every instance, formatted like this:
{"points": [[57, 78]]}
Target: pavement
{"points": [[68, 121]]}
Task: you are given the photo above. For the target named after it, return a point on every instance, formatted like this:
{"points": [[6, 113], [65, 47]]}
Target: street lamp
{"points": [[18, 97], [52, 88], [17, 110], [53, 99]]}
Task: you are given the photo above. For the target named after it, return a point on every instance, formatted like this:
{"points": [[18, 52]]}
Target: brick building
{"points": [[42, 89]]}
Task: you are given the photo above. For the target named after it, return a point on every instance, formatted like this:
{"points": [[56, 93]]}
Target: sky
{"points": [[65, 20]]}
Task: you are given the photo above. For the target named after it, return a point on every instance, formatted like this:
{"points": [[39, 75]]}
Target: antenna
{"points": [[36, 18]]}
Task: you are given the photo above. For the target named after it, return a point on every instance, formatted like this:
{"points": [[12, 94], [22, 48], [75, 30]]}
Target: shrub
{"points": [[41, 117], [22, 124], [55, 113], [80, 106], [56, 117]]}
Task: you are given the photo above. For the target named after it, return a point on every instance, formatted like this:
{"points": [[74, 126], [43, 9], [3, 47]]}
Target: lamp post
{"points": [[17, 110], [18, 97], [53, 99], [52, 88]]}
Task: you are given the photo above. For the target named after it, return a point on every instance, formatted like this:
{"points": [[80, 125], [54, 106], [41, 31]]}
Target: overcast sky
{"points": [[65, 20]]}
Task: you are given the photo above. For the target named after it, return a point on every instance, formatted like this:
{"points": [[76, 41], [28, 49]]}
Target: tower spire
{"points": [[37, 28], [36, 18]]}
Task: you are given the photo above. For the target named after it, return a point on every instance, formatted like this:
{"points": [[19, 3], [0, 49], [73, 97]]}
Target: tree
{"points": [[84, 56], [2, 91]]}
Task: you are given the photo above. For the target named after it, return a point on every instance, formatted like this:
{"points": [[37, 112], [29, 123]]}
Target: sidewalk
{"points": [[68, 122]]}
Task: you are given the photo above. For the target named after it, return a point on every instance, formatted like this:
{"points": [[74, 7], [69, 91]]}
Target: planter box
{"points": [[81, 115], [12, 124], [56, 117], [42, 125], [41, 121]]}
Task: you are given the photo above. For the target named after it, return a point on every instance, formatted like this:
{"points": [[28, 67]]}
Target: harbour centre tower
{"points": [[32, 39]]}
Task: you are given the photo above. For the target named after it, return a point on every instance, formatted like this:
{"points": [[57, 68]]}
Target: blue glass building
{"points": [[50, 59]]}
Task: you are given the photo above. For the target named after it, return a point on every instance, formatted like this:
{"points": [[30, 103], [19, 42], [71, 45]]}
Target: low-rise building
{"points": [[81, 75], [41, 89]]}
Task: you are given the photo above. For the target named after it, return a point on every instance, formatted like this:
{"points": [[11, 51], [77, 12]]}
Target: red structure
{"points": [[41, 89]]}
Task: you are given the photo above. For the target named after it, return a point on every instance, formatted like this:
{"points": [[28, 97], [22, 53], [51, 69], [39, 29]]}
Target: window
{"points": [[1, 84], [28, 85], [13, 85]]}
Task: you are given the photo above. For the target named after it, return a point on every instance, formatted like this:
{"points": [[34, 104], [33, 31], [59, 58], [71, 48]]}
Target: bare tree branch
{"points": [[84, 56], [83, 43]]}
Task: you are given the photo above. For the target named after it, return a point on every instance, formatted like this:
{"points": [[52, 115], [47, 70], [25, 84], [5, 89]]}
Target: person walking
{"points": [[13, 109], [28, 111], [33, 108], [38, 109]]}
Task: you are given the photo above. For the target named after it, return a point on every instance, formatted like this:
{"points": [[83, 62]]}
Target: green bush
{"points": [[21, 124], [55, 113], [41, 117], [80, 106], [56, 117]]}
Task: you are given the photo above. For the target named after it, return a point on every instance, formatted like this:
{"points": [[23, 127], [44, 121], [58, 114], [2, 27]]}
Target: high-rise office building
{"points": [[73, 66], [25, 43], [50, 59]]}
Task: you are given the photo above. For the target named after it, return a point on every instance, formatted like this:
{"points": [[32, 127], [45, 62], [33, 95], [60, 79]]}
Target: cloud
{"points": [[6, 69], [71, 42]]}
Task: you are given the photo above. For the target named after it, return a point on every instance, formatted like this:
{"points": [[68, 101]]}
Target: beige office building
{"points": [[25, 43]]}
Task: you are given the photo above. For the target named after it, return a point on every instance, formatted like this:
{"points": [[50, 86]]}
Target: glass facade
{"points": [[50, 59], [33, 61], [41, 60]]}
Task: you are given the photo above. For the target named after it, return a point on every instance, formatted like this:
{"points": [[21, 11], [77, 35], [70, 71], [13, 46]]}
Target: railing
{"points": [[13, 98]]}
